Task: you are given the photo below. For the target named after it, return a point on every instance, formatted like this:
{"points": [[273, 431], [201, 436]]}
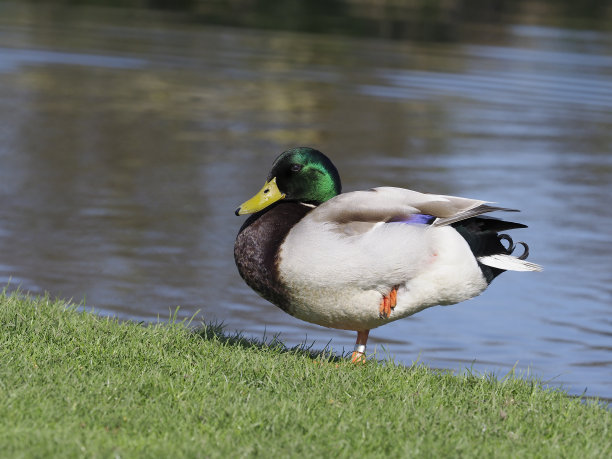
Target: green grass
{"points": [[73, 384]]}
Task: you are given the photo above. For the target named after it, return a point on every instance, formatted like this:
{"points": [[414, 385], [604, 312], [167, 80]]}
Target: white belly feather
{"points": [[338, 281]]}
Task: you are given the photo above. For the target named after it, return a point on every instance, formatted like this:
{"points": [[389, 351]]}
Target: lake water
{"points": [[126, 144]]}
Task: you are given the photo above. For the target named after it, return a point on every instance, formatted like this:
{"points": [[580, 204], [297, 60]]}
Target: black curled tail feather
{"points": [[484, 239], [512, 246]]}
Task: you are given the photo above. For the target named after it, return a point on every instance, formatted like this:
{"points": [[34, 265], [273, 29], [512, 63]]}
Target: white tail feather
{"points": [[508, 263]]}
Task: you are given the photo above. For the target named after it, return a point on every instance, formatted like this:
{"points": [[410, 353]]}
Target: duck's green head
{"points": [[301, 174]]}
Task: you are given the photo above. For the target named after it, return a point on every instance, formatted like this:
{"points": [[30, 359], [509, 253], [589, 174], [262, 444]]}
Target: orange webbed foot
{"points": [[358, 355], [387, 303]]}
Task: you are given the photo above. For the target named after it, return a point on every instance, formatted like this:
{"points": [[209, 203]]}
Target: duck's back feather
{"points": [[387, 204]]}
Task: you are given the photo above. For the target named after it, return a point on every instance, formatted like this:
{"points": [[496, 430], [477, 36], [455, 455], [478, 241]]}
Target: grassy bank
{"points": [[75, 384]]}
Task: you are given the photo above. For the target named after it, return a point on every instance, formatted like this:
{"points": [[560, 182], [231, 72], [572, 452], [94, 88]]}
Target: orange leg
{"points": [[388, 303], [360, 347]]}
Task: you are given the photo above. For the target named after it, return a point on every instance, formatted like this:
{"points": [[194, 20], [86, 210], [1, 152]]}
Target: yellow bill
{"points": [[269, 194]]}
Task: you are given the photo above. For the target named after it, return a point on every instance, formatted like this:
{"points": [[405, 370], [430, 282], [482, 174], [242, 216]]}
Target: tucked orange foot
{"points": [[360, 347], [387, 303]]}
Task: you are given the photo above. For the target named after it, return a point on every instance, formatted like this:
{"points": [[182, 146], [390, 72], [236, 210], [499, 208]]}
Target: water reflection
{"points": [[125, 150]]}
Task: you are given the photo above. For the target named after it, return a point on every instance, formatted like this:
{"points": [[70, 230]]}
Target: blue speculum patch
{"points": [[414, 219]]}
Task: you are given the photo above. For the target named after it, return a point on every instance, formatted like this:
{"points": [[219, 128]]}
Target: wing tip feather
{"points": [[473, 212]]}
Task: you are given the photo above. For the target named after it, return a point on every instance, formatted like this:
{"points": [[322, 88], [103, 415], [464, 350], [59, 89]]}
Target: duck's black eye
{"points": [[296, 167]]}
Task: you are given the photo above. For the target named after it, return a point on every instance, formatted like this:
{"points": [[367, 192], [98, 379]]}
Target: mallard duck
{"points": [[359, 260]]}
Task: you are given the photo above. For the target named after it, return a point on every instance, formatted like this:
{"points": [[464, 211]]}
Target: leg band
{"points": [[360, 348]]}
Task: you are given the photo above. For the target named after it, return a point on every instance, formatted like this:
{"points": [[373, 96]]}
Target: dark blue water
{"points": [[125, 148]]}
